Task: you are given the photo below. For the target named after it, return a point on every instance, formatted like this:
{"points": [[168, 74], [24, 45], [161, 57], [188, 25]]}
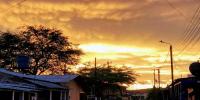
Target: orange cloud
{"points": [[125, 32]]}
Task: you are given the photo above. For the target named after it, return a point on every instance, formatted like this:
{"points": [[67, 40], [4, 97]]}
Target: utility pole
{"points": [[154, 84], [172, 70], [95, 68], [154, 79], [95, 75], [172, 67], [159, 78]]}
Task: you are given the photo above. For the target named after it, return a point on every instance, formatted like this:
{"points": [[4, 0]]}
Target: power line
{"points": [[190, 41], [195, 26], [12, 6], [192, 37], [196, 15], [197, 38], [189, 34], [188, 27], [177, 10], [178, 45]]}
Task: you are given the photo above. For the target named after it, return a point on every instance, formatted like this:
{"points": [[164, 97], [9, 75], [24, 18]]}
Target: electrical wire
{"points": [[12, 6], [189, 34], [188, 27], [178, 45], [177, 9]]}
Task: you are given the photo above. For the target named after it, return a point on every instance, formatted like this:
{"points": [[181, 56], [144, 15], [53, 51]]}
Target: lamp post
{"points": [[172, 69]]}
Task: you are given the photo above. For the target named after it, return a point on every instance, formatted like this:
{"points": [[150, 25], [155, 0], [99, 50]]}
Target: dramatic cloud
{"points": [[125, 32]]}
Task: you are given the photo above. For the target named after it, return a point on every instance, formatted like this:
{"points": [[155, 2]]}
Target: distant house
{"points": [[138, 94], [17, 86], [114, 94]]}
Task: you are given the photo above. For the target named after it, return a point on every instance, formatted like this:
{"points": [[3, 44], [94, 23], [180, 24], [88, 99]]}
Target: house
{"points": [[17, 86], [138, 94], [184, 89]]}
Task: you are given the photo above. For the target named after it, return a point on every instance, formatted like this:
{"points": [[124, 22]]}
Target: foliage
{"points": [[110, 75], [106, 78], [155, 94], [47, 49]]}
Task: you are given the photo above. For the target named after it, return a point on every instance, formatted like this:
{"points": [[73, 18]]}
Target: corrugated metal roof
{"points": [[19, 87], [46, 84], [53, 78], [49, 78], [33, 82]]}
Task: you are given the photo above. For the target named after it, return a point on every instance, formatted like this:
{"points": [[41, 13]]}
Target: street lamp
{"points": [[172, 69]]}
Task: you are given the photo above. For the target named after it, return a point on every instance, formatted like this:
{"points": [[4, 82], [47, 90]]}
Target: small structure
{"points": [[138, 94], [185, 89], [17, 86]]}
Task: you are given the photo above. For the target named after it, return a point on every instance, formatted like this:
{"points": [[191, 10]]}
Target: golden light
{"points": [[140, 86], [110, 22], [107, 48], [137, 86]]}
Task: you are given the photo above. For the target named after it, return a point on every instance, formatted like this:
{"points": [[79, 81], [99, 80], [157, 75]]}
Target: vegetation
{"points": [[46, 48], [49, 51], [106, 78], [155, 94]]}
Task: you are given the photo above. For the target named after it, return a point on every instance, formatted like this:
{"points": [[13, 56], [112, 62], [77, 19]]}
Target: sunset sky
{"points": [[124, 32]]}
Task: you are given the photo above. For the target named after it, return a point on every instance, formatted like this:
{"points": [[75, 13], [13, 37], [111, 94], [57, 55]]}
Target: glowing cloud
{"points": [[106, 48], [123, 31]]}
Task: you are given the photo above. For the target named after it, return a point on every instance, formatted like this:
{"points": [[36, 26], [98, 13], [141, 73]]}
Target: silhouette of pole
{"points": [[95, 75], [172, 67], [95, 68], [154, 84], [154, 79], [158, 78]]}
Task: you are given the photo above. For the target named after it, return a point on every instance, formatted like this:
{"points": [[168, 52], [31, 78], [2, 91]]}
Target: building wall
{"points": [[74, 90]]}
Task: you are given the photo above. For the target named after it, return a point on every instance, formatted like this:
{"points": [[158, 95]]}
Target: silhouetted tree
{"points": [[47, 49], [102, 79], [9, 48], [155, 94]]}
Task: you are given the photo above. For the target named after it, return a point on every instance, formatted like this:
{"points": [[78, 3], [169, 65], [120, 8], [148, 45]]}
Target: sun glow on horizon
{"points": [[119, 53], [126, 55], [138, 86], [107, 48]]}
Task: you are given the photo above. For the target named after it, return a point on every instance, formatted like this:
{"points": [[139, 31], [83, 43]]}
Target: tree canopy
{"points": [[109, 74], [47, 49], [103, 78], [155, 94]]}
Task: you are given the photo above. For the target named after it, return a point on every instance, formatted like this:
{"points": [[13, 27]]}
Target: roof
{"points": [[186, 82], [49, 78], [53, 78], [19, 87], [34, 82], [46, 84]]}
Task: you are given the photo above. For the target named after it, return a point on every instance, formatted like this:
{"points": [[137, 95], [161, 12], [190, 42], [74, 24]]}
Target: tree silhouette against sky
{"points": [[46, 48]]}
